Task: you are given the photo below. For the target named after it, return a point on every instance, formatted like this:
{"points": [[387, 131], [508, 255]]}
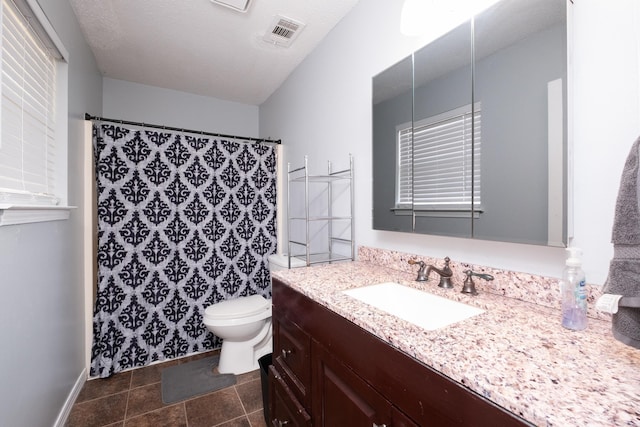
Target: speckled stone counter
{"points": [[515, 354]]}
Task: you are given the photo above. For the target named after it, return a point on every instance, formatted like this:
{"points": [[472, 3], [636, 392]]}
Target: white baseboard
{"points": [[71, 399]]}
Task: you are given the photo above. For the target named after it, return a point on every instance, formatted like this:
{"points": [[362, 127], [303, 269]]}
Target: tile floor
{"points": [[134, 399]]}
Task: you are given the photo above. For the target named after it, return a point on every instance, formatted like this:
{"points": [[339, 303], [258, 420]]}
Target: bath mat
{"points": [[190, 379]]}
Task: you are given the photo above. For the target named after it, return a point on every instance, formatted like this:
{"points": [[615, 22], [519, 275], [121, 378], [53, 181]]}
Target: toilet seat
{"points": [[239, 310]]}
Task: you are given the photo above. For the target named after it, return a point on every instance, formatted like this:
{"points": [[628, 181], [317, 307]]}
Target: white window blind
{"points": [[404, 181], [28, 111], [435, 170]]}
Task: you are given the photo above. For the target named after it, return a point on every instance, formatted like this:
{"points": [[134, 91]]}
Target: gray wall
{"points": [[42, 306], [148, 104]]}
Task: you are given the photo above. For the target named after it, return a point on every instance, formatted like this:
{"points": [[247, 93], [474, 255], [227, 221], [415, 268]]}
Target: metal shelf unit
{"points": [[327, 254]]}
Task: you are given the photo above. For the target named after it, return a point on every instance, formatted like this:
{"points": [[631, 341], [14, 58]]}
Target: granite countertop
{"points": [[515, 354]]}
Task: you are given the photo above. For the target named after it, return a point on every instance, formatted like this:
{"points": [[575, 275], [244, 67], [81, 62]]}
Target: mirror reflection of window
{"points": [[436, 163]]}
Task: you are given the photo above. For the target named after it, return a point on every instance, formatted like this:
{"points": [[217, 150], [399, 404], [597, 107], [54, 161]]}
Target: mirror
{"points": [[392, 107], [520, 79], [498, 83], [442, 166]]}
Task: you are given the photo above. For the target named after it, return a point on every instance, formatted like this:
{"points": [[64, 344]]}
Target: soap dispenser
{"points": [[573, 293]]}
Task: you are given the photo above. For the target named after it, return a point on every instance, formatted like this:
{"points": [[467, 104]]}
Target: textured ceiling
{"points": [[200, 47]]}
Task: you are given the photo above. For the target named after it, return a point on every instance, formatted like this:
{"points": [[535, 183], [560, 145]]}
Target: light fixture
{"points": [[415, 16], [436, 17], [237, 5]]}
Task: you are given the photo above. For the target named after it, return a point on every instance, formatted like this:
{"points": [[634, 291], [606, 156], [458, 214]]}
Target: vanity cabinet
{"points": [[327, 371]]}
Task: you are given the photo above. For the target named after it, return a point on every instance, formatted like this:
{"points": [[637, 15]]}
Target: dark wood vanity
{"points": [[327, 371]]}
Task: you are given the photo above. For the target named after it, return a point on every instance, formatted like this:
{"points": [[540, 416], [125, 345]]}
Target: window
{"points": [[435, 169], [32, 114]]}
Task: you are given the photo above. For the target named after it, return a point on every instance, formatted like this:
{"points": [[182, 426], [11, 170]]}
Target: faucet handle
{"points": [[445, 279], [469, 287], [422, 276], [446, 267]]}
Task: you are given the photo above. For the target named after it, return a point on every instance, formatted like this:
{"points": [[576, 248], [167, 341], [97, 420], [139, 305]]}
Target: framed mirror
{"points": [[482, 153]]}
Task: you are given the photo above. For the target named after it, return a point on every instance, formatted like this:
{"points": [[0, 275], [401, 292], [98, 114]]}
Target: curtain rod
{"points": [[87, 116]]}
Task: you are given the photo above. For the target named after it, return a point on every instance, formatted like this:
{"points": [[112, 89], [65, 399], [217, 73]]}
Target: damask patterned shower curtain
{"points": [[184, 221]]}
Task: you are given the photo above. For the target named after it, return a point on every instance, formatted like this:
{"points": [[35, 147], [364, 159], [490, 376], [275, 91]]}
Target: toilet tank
{"points": [[281, 262]]}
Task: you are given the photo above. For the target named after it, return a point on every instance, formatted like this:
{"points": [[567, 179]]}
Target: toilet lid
{"points": [[239, 307]]}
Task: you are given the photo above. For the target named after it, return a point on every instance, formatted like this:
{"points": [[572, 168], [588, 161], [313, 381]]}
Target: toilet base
{"points": [[241, 357]]}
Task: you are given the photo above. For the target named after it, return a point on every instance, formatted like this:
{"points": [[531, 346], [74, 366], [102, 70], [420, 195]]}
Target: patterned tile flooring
{"points": [[134, 399]]}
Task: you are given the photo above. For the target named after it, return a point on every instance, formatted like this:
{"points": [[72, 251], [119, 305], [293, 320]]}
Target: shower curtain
{"points": [[184, 221]]}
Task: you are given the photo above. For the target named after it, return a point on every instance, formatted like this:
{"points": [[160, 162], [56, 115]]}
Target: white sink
{"points": [[421, 308]]}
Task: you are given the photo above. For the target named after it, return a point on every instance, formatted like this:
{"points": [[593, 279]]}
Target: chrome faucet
{"points": [[469, 287], [424, 271]]}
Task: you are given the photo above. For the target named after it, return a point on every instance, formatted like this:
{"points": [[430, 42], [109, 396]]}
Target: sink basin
{"points": [[421, 308]]}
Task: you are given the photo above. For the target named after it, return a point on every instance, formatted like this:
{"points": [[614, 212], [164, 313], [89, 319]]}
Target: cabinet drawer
{"points": [[291, 356], [285, 408]]}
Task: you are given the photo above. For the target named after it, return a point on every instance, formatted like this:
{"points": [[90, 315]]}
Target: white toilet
{"points": [[244, 325]]}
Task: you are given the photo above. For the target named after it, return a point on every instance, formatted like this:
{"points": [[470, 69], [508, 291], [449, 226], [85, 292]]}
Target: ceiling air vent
{"points": [[283, 31]]}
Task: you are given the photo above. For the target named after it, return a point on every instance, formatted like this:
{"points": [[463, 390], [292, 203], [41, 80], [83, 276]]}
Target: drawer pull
{"points": [[379, 425], [281, 423], [285, 353]]}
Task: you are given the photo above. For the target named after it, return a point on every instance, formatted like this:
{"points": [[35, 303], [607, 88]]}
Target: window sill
{"points": [[14, 214], [438, 213]]}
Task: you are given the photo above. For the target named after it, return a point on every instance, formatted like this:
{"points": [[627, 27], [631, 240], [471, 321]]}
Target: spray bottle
{"points": [[573, 293]]}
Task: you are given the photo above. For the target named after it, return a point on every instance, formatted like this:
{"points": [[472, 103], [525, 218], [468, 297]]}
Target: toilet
{"points": [[244, 325]]}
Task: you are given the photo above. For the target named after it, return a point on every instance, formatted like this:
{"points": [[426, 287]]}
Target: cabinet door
{"points": [[342, 398]]}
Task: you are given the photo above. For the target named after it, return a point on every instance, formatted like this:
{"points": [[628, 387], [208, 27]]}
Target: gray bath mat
{"points": [[190, 379]]}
